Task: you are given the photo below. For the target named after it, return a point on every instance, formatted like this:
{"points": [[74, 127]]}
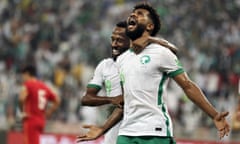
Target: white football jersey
{"points": [[145, 77], [106, 78]]}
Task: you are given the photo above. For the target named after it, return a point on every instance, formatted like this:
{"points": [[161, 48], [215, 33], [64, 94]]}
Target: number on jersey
{"points": [[42, 101]]}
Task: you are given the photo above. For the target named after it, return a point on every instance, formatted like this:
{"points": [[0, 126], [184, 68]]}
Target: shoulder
{"points": [[124, 55], [29, 83], [104, 62]]}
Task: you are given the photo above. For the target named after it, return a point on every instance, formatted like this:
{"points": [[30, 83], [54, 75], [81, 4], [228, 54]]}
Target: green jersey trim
{"points": [[167, 122], [94, 86], [175, 73], [160, 88], [160, 103], [131, 49]]}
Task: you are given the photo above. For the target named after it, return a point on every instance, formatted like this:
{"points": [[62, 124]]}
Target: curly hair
{"points": [[152, 14], [122, 24]]}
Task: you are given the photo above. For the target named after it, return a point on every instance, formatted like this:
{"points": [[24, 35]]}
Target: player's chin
{"points": [[132, 28], [115, 53], [115, 56]]}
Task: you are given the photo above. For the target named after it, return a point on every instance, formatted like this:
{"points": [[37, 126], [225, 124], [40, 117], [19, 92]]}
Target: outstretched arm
{"points": [[195, 94], [95, 131], [91, 99]]}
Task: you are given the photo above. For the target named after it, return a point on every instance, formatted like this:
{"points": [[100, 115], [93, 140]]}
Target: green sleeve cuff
{"points": [[175, 73], [94, 86]]}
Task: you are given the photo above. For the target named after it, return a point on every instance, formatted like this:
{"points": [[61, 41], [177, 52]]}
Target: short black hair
{"points": [[122, 24], [153, 16], [30, 69]]}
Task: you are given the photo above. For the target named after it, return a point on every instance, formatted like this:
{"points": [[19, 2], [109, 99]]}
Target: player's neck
{"points": [[140, 43], [31, 79]]}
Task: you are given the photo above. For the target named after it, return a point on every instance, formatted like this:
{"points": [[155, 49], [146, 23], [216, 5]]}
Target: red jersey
{"points": [[38, 96]]}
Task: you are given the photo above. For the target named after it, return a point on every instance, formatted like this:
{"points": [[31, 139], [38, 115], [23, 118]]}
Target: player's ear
{"points": [[150, 27]]}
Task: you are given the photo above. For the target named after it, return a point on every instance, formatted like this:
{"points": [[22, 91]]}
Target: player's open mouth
{"points": [[115, 52], [131, 23]]}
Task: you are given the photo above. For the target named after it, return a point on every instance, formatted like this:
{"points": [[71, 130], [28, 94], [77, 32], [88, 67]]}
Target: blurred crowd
{"points": [[66, 39]]}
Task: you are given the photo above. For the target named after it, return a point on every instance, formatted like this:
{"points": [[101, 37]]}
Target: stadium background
{"points": [[67, 38]]}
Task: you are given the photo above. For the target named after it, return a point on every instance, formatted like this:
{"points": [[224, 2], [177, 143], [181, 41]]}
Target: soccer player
{"points": [[145, 72], [106, 80], [33, 100]]}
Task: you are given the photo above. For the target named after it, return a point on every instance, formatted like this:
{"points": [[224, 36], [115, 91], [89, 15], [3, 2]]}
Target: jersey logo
{"points": [[145, 59]]}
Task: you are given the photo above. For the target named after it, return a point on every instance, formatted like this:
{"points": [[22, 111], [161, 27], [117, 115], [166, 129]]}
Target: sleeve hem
{"points": [[94, 86], [175, 73]]}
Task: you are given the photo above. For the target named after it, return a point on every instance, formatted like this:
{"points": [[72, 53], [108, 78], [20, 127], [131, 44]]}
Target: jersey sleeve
{"points": [[97, 80], [169, 63], [51, 95]]}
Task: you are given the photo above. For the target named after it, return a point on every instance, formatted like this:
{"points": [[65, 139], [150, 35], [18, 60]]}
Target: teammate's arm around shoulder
{"points": [[145, 40], [195, 94]]}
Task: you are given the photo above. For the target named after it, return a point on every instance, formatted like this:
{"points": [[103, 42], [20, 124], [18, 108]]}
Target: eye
{"points": [[139, 13], [120, 40], [113, 39]]}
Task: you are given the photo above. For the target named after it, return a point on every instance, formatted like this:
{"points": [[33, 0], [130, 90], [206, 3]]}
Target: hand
{"points": [[221, 124], [93, 133], [118, 101]]}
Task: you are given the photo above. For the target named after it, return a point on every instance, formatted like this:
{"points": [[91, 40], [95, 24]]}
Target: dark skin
{"points": [[193, 92]]}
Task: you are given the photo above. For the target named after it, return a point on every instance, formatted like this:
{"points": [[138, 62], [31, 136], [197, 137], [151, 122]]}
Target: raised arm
{"points": [[195, 94]]}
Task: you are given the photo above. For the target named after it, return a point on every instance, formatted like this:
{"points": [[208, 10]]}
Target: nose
{"points": [[133, 14], [114, 43]]}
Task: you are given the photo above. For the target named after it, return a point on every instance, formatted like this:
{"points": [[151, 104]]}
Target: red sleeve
{"points": [[50, 94]]}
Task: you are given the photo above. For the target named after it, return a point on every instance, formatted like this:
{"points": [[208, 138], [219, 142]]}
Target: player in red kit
{"points": [[33, 100]]}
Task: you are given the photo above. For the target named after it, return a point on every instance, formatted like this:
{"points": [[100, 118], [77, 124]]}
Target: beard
{"points": [[135, 34]]}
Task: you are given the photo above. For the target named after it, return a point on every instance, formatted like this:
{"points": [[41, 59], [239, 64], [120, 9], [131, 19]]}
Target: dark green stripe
{"points": [[167, 120], [94, 86], [177, 72], [160, 92], [160, 88]]}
